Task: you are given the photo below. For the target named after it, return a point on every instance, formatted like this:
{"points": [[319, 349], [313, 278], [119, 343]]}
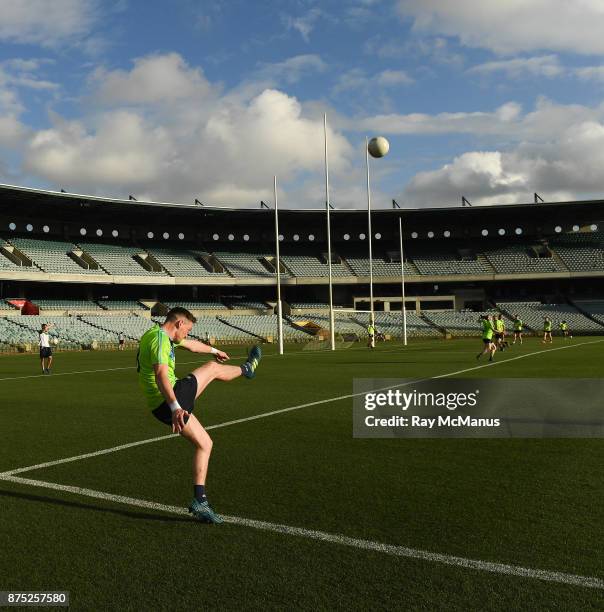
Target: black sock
{"points": [[199, 492]]}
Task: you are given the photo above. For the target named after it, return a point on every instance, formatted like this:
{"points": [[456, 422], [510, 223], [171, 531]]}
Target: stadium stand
{"points": [[443, 263], [594, 308], [264, 326], [245, 264], [544, 252], [181, 262], [391, 323], [198, 305], [344, 323], [71, 331], [459, 323], [14, 334], [247, 305], [580, 251], [52, 256], [73, 306], [309, 306], [517, 259], [118, 260], [133, 327], [533, 313], [208, 328], [5, 262], [381, 267], [129, 305], [309, 266]]}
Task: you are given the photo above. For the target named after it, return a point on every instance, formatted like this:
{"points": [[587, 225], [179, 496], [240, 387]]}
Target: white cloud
{"points": [[223, 149], [506, 122], [567, 166], [591, 73], [513, 26], [435, 49], [359, 81], [479, 122], [293, 69], [544, 65], [154, 79], [44, 23], [390, 78], [12, 131], [305, 24], [17, 73]]}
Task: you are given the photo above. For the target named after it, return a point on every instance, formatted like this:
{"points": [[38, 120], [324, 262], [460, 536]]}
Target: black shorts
{"points": [[487, 340], [122, 341], [45, 352], [185, 390], [517, 331], [498, 336]]}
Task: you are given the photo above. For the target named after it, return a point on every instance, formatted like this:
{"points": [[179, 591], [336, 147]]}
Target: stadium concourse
{"points": [[97, 267]]}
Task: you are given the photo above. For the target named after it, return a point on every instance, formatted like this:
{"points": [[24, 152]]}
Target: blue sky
{"points": [[175, 100]]}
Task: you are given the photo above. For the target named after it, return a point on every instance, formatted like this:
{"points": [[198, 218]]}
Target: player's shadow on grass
{"points": [[74, 504]]}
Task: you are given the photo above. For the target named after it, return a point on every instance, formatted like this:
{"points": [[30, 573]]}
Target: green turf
{"points": [[534, 503]]}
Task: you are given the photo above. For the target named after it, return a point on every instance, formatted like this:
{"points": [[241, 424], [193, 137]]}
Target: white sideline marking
{"points": [[264, 415], [322, 536]]}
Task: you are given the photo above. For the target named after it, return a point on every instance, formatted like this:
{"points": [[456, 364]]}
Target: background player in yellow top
{"points": [[487, 337], [564, 330], [172, 401], [500, 332]]}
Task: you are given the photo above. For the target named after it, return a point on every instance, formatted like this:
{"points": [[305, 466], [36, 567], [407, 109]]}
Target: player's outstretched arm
{"points": [[199, 347]]}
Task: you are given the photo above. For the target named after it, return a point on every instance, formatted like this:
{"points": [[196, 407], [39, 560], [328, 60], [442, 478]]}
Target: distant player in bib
{"points": [[45, 350], [487, 337], [547, 330], [371, 335], [172, 401], [500, 332], [564, 330], [518, 326]]}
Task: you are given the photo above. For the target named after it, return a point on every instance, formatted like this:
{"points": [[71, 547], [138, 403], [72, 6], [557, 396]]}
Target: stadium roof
{"points": [[25, 202]]}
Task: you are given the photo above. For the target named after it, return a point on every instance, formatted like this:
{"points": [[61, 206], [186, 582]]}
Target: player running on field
{"points": [[172, 401], [45, 350], [487, 337], [500, 332], [547, 330], [518, 325], [564, 330]]}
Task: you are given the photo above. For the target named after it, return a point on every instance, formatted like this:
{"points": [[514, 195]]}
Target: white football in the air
{"points": [[378, 146]]}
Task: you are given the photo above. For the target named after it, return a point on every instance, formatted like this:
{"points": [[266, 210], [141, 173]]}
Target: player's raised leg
{"points": [[217, 371]]}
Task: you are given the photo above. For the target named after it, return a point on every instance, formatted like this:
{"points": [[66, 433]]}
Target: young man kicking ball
{"points": [[172, 401]]}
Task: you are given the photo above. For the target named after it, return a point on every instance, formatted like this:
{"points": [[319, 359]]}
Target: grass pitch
{"points": [[530, 503]]}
